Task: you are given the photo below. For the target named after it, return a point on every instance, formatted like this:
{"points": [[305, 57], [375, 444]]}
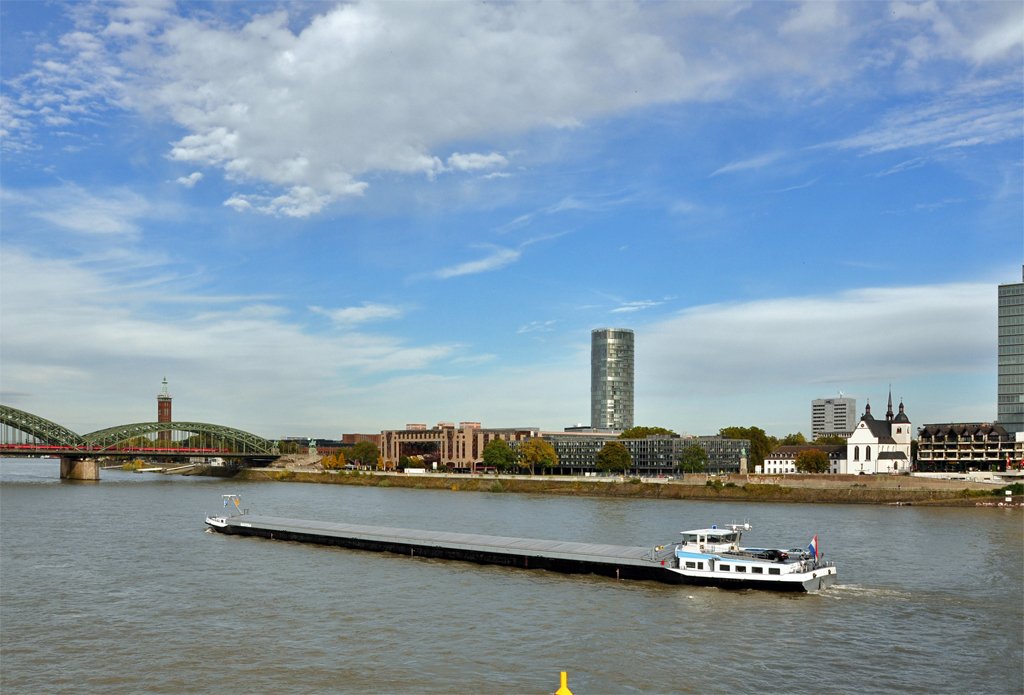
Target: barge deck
{"points": [[622, 562]]}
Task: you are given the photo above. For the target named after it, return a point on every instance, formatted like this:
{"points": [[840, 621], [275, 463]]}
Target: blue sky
{"points": [[316, 219]]}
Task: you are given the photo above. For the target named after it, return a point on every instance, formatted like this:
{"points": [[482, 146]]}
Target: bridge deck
{"points": [[629, 562]]}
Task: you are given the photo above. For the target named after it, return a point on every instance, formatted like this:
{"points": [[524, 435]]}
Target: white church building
{"points": [[879, 446]]}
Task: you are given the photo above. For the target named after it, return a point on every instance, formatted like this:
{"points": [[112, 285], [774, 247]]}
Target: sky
{"points": [[316, 219]]}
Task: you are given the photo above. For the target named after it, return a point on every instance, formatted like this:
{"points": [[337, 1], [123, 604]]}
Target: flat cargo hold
{"points": [[624, 562]]}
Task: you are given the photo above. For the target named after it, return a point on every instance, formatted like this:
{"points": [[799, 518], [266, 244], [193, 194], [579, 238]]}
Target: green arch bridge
{"points": [[25, 434]]}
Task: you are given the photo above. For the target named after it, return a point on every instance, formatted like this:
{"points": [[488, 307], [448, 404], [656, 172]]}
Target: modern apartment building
{"points": [[833, 416], [959, 448], [1010, 406], [611, 379]]}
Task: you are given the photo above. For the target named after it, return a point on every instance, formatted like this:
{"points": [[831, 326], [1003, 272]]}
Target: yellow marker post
{"points": [[564, 690]]}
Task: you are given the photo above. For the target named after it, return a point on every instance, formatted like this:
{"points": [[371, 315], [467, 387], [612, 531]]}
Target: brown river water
{"points": [[116, 587]]}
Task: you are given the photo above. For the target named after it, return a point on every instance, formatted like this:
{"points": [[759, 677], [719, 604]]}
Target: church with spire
{"points": [[880, 446]]}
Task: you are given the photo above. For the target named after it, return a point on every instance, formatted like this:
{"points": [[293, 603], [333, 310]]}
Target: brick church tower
{"points": [[163, 410]]}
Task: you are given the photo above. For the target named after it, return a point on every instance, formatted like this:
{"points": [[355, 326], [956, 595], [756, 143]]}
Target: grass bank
{"points": [[749, 492]]}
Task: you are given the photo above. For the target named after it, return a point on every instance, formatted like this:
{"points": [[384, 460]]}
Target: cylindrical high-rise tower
{"points": [[611, 378]]}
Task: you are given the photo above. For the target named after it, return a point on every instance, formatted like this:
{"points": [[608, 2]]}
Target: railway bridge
{"points": [[25, 434]]}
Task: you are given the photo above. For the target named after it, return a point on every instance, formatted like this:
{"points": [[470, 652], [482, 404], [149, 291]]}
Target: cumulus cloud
{"points": [[190, 180], [869, 334], [360, 314], [500, 258]]}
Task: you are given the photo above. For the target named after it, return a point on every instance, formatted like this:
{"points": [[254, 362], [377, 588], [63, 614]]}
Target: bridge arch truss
{"points": [[199, 434], [37, 428]]}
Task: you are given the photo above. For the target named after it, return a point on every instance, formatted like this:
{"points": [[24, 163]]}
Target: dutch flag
{"points": [[813, 547]]}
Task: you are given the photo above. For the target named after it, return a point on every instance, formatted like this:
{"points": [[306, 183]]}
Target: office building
{"points": [[451, 448], [1010, 406], [611, 379], [833, 416]]}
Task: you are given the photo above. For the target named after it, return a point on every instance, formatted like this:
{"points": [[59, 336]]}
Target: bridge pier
{"points": [[72, 468]]}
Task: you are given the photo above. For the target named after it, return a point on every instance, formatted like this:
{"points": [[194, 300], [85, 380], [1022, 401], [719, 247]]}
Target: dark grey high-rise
{"points": [[1011, 357], [611, 378]]}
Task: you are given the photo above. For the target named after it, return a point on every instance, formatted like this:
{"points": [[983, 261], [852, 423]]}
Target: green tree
{"points": [[365, 453], [812, 461], [797, 439], [537, 452], [642, 432], [614, 456], [761, 444], [693, 460], [497, 454], [403, 462], [830, 440]]}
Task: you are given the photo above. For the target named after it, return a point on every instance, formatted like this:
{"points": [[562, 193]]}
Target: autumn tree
{"points": [[537, 452], [334, 461], [642, 432], [614, 456], [497, 454], [693, 460], [812, 461]]}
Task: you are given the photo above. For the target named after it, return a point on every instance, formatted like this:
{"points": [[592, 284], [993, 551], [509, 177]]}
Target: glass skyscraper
{"points": [[611, 378], [1011, 357]]}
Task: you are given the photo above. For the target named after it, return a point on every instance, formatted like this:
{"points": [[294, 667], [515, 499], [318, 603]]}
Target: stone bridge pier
{"points": [[75, 468]]}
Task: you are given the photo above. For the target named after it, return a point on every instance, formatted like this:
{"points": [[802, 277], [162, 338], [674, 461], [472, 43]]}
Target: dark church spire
{"points": [[889, 414]]}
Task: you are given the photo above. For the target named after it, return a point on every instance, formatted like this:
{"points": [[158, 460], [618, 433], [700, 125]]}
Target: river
{"points": [[115, 587]]}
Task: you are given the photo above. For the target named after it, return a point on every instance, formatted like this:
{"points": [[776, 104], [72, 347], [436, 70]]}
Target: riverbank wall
{"points": [[884, 490]]}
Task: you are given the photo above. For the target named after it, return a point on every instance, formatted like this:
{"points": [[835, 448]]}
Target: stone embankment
{"points": [[890, 490]]}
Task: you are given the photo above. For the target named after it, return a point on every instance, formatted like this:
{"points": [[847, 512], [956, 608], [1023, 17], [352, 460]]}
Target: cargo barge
{"points": [[655, 563]]}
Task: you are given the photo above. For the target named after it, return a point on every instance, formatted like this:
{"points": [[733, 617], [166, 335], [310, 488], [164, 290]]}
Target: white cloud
{"points": [[861, 335], [758, 162], [978, 114], [500, 258], [72, 208], [360, 314], [544, 326], [496, 175], [813, 16], [470, 162], [636, 306], [74, 335], [190, 180]]}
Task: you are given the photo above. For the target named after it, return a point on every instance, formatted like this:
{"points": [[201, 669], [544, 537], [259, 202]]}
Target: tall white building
{"points": [[833, 416]]}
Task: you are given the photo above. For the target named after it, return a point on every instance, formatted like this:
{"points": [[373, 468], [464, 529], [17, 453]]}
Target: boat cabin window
{"points": [[689, 538], [741, 568], [700, 565], [717, 538], [690, 565], [757, 570], [724, 568], [773, 570]]}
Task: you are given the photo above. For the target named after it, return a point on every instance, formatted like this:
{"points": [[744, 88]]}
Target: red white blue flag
{"points": [[813, 547]]}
